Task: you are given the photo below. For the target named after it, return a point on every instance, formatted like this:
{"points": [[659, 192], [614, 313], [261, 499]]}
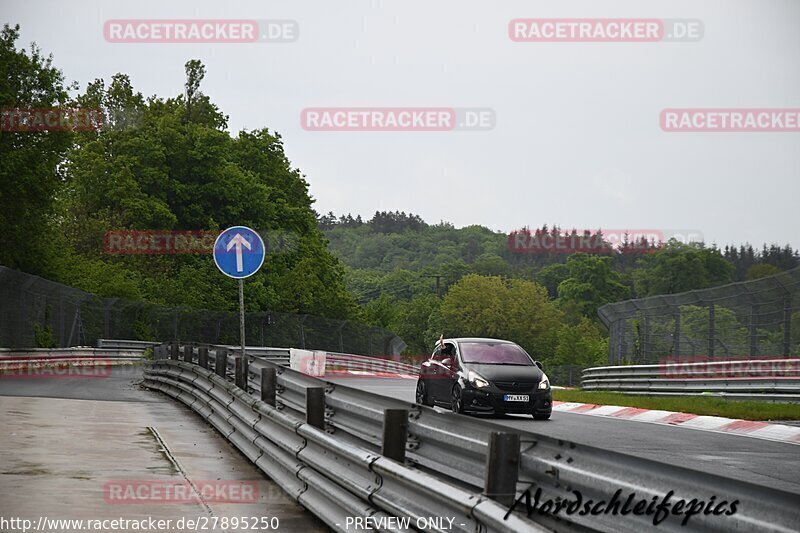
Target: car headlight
{"points": [[477, 381], [544, 384]]}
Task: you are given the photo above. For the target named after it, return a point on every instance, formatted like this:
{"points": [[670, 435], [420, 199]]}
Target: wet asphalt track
{"points": [[768, 463], [66, 439]]}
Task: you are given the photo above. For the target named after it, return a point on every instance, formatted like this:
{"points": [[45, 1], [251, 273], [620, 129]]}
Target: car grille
{"points": [[521, 386]]}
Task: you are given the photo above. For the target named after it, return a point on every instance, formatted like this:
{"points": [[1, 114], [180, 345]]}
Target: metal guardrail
{"points": [[444, 455], [125, 344], [276, 355], [79, 352], [331, 478], [764, 379], [63, 362], [356, 363]]}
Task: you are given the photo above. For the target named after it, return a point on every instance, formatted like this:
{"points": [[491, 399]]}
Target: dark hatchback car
{"points": [[490, 376]]}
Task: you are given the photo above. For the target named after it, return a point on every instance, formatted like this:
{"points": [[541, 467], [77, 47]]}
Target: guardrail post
{"points": [[173, 350], [395, 433], [240, 372], [221, 362], [502, 467], [315, 407], [202, 356], [188, 353], [269, 378]]}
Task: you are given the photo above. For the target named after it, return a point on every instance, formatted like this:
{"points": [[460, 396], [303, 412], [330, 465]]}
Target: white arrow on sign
{"points": [[238, 241]]}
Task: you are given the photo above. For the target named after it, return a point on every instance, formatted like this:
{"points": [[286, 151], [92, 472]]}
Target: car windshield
{"points": [[489, 353]]}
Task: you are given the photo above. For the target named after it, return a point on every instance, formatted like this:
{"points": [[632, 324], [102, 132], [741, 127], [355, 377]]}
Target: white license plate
{"points": [[516, 397]]}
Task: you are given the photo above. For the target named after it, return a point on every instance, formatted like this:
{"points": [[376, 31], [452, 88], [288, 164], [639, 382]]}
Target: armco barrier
{"points": [[85, 352], [331, 455], [762, 379], [125, 344], [44, 362], [358, 363], [331, 478]]}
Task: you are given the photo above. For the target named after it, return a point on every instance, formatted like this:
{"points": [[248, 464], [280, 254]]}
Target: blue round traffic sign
{"points": [[239, 252]]}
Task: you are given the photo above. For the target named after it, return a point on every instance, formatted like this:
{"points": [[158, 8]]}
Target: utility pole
{"points": [[438, 277]]}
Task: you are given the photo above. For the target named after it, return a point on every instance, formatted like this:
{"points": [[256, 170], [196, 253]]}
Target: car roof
{"points": [[477, 339]]}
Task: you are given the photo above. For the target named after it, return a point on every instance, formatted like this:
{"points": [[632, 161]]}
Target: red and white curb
{"points": [[747, 428]]}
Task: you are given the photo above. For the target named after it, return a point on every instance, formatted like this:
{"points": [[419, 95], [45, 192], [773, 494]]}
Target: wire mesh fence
{"points": [[35, 312], [755, 319], [564, 375]]}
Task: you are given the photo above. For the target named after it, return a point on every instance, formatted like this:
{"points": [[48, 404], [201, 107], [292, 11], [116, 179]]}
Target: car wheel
{"points": [[422, 393], [456, 403], [541, 417]]}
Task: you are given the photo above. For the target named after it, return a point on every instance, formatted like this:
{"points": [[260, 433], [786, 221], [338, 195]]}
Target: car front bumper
{"points": [[540, 402]]}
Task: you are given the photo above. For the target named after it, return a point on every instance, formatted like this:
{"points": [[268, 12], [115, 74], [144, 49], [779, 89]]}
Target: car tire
{"points": [[456, 401], [422, 394], [542, 417]]}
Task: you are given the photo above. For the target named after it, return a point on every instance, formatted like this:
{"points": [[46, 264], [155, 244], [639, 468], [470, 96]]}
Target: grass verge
{"points": [[697, 405]]}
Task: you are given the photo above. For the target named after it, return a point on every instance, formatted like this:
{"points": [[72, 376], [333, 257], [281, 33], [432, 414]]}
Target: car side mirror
{"points": [[541, 367]]}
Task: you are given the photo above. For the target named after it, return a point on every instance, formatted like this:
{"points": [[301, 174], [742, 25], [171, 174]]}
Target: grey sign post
{"points": [[238, 253]]}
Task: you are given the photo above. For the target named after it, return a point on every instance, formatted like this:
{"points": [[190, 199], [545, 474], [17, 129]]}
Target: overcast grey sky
{"points": [[577, 140]]}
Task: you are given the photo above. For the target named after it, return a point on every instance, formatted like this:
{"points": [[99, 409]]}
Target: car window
{"points": [[449, 350], [437, 353], [488, 353]]}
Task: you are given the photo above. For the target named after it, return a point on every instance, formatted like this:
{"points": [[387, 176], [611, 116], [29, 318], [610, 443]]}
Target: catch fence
{"points": [[752, 319], [35, 312]]}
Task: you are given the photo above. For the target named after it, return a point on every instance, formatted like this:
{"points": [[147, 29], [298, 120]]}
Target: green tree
{"points": [[490, 265], [382, 312], [795, 333], [516, 310], [681, 267], [29, 160], [591, 284], [694, 328], [171, 164], [582, 344], [762, 271], [413, 321], [551, 277]]}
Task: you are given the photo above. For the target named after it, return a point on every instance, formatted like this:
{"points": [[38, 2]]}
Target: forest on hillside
{"points": [[401, 255], [546, 301]]}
